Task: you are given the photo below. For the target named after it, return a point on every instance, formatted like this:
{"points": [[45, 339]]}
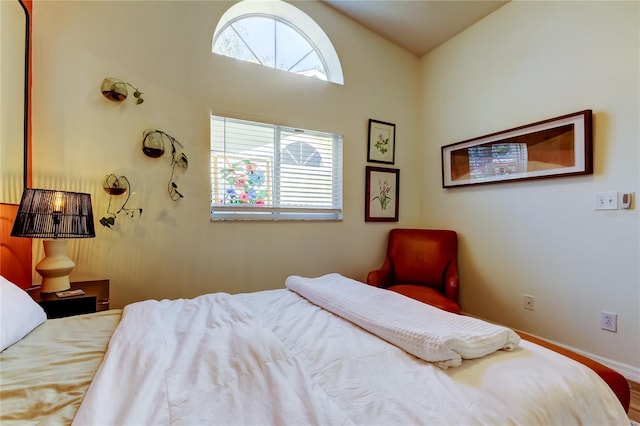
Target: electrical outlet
{"points": [[528, 302], [609, 321]]}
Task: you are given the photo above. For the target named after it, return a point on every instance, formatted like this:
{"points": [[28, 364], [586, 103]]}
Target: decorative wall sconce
{"points": [[114, 186], [153, 146], [116, 90]]}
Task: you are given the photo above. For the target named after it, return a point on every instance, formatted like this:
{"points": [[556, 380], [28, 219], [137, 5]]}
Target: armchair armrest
{"points": [[452, 281], [381, 277]]}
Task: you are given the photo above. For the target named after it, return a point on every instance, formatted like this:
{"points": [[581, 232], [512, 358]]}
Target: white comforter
{"points": [[275, 358]]}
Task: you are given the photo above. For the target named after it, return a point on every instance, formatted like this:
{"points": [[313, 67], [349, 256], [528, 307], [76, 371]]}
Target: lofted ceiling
{"points": [[416, 25]]}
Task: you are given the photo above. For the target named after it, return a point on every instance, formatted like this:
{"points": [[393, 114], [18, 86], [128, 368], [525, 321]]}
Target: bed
{"points": [[325, 350]]}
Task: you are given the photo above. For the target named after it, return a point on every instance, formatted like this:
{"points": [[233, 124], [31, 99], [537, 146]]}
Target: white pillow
{"points": [[19, 313]]}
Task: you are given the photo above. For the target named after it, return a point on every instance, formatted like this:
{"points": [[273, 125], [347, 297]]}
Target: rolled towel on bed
{"points": [[422, 330]]}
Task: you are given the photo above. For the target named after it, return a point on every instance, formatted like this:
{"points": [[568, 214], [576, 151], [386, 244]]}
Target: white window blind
{"points": [[266, 172]]}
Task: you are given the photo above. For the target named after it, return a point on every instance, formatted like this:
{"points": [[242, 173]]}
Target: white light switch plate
{"points": [[606, 201]]}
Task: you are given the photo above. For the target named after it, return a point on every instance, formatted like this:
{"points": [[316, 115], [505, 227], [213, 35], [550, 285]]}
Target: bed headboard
{"points": [[15, 253]]}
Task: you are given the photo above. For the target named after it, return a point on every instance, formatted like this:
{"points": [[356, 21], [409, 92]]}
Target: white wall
{"points": [[164, 48], [527, 62]]}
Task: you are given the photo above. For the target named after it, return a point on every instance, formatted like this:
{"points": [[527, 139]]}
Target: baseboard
{"points": [[628, 371]]}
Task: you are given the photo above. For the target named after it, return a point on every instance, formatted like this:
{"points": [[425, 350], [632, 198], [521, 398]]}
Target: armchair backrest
{"points": [[421, 256]]}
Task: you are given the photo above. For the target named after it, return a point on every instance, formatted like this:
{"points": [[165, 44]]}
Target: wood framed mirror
{"points": [[14, 99], [15, 134]]}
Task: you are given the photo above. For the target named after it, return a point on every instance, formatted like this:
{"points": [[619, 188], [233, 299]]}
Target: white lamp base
{"points": [[55, 267]]}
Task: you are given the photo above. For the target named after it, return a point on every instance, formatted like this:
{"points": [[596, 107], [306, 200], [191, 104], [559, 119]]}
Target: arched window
{"points": [[277, 35]]}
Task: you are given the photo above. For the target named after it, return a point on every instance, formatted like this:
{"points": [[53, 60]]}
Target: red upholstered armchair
{"points": [[421, 264]]}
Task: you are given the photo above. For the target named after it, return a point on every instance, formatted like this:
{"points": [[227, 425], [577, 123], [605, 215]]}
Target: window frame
{"points": [[277, 212]]}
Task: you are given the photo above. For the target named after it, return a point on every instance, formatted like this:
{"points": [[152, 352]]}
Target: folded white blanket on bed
{"points": [[422, 330]]}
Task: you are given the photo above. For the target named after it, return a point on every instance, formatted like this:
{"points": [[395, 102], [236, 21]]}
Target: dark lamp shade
{"points": [[51, 214]]}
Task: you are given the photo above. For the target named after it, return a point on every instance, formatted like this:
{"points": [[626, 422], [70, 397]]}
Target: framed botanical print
{"points": [[382, 194], [381, 146]]}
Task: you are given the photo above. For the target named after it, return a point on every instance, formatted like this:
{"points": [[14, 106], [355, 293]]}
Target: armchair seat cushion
{"points": [[421, 264], [426, 295]]}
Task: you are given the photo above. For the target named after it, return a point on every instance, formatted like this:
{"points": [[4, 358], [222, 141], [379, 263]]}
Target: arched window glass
{"points": [[277, 35]]}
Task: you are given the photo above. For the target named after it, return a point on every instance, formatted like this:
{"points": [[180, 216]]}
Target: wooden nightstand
{"points": [[95, 298]]}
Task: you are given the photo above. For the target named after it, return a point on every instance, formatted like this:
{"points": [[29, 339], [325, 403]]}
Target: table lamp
{"points": [[54, 216]]}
